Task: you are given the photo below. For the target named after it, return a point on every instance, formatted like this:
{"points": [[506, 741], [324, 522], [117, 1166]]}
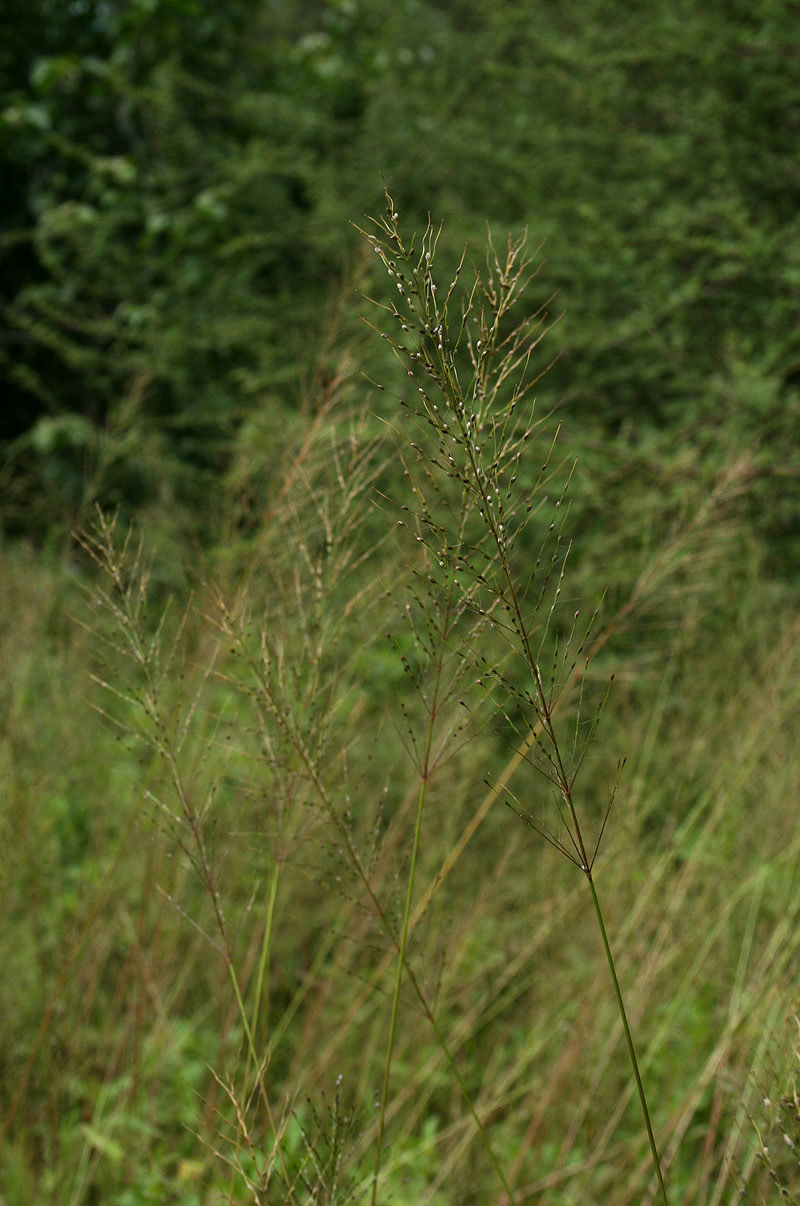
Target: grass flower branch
{"points": [[471, 409]]}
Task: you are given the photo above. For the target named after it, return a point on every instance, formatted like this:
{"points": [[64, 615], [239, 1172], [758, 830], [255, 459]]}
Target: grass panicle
{"points": [[472, 420]]}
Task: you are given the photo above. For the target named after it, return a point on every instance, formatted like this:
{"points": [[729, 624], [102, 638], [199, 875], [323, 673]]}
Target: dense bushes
{"points": [[184, 178]]}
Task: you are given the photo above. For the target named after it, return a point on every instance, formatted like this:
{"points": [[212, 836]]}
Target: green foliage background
{"points": [[182, 177]]}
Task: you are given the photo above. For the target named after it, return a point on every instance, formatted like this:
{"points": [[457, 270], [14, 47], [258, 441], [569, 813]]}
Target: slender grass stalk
{"points": [[401, 960], [472, 405], [628, 1036], [126, 600], [262, 977]]}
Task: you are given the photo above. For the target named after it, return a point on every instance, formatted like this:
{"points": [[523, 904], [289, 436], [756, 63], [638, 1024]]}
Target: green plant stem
{"points": [[266, 944], [467, 1098], [401, 961], [426, 768], [401, 966], [628, 1036]]}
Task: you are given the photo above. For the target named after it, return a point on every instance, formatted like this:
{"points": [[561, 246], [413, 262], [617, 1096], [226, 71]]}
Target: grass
{"points": [[274, 932], [478, 442]]}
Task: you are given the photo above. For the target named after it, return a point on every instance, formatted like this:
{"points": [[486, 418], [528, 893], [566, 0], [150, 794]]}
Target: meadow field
{"points": [[399, 639]]}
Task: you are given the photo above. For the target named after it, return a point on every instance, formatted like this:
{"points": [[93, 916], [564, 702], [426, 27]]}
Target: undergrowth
{"points": [[279, 927]]}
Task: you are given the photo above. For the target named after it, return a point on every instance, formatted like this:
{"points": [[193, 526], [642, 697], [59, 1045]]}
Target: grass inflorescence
{"points": [[279, 927], [471, 394]]}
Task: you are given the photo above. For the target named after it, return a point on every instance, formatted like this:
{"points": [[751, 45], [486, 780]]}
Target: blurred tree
{"points": [[183, 175]]}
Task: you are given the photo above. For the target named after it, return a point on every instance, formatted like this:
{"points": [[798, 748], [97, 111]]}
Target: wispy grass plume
{"points": [[487, 504]]}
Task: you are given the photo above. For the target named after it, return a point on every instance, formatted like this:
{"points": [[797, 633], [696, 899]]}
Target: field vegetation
{"points": [[399, 643]]}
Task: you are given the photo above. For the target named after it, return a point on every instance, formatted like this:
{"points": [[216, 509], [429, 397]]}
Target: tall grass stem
{"points": [[628, 1037]]}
